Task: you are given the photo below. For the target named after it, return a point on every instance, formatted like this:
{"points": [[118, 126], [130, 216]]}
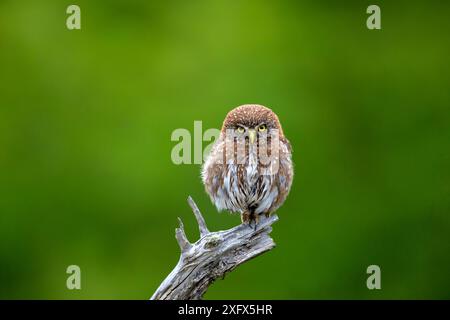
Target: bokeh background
{"points": [[86, 117]]}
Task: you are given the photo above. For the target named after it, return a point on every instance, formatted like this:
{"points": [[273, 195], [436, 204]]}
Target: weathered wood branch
{"points": [[212, 256]]}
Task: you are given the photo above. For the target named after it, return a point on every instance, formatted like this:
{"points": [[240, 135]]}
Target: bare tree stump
{"points": [[212, 256]]}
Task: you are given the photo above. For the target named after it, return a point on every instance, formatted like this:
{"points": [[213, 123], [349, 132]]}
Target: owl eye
{"points": [[240, 129], [262, 128]]}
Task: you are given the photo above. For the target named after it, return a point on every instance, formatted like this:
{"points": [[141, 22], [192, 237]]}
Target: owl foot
{"points": [[255, 219], [251, 220], [245, 218]]}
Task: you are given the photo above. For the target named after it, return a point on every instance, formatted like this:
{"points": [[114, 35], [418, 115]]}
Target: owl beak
{"points": [[252, 135]]}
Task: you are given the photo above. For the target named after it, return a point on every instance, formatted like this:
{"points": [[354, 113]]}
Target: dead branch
{"points": [[212, 256]]}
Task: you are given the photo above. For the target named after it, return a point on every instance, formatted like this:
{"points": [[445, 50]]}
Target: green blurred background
{"points": [[86, 116]]}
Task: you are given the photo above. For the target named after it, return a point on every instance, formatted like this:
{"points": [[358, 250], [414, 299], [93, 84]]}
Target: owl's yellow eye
{"points": [[240, 129], [262, 128]]}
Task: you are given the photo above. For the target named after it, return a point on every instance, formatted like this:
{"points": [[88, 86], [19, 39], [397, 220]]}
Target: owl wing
{"points": [[285, 174], [213, 171]]}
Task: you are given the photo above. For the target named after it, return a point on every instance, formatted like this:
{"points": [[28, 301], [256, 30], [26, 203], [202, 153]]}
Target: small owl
{"points": [[249, 169]]}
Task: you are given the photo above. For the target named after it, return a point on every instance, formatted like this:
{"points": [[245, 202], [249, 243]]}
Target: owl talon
{"points": [[252, 224], [253, 219], [245, 218], [256, 219]]}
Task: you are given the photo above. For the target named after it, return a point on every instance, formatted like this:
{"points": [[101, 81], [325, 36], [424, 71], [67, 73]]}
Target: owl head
{"points": [[252, 120]]}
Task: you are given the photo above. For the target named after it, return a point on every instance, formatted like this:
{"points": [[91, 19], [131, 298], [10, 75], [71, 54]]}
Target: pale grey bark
{"points": [[212, 256]]}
